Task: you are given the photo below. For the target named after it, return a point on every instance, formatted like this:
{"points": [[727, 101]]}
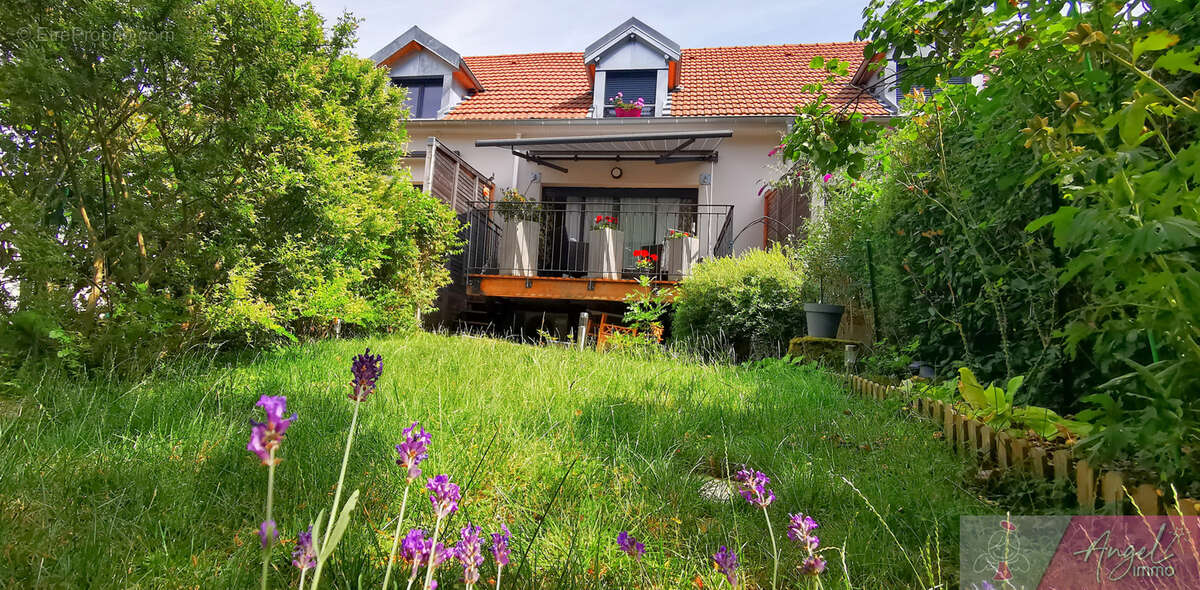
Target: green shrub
{"points": [[641, 345], [751, 303], [232, 178]]}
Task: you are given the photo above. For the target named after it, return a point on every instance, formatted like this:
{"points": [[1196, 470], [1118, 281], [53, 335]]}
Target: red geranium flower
{"points": [[654, 257], [598, 218]]}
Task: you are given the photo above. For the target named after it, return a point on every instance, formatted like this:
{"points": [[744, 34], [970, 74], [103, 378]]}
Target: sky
{"points": [[521, 26]]}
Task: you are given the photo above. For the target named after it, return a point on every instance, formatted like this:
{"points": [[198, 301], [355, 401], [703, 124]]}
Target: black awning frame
{"points": [[546, 154]]}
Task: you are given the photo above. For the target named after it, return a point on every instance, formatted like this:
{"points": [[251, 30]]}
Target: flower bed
{"points": [[1096, 489]]}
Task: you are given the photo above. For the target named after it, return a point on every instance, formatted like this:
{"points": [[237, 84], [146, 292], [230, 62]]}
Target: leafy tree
{"points": [[1077, 168], [202, 171]]}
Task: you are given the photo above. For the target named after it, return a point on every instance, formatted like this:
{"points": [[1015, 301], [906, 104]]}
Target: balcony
{"points": [[549, 250]]}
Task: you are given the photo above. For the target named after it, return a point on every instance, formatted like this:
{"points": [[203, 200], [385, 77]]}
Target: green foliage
{"points": [[786, 361], [752, 303], [994, 406], [514, 207], [826, 135], [889, 360], [638, 344], [1051, 220], [204, 172], [645, 309], [832, 253]]}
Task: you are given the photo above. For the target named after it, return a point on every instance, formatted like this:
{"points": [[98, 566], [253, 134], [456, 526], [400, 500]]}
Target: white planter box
{"points": [[606, 253], [519, 248], [680, 254]]}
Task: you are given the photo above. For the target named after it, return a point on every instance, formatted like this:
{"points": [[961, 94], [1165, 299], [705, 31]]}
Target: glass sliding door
{"points": [[643, 216]]}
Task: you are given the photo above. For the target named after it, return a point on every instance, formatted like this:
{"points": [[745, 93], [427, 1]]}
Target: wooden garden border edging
{"points": [[970, 437]]}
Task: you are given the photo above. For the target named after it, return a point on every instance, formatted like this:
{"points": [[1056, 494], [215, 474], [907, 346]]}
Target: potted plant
{"points": [[824, 317], [646, 260], [519, 234], [681, 251], [831, 252], [627, 109], [606, 248]]}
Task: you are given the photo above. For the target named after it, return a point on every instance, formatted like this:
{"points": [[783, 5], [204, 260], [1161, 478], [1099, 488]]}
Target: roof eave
{"points": [[636, 27], [427, 42]]}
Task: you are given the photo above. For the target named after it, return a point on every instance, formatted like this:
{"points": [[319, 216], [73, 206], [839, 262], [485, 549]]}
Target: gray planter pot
{"points": [[823, 320], [680, 255], [606, 251], [519, 248]]}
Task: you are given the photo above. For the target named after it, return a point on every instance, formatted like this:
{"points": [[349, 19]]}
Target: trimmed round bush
{"points": [[751, 304]]}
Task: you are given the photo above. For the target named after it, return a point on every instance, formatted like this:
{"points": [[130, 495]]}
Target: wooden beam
{"points": [[569, 289]]}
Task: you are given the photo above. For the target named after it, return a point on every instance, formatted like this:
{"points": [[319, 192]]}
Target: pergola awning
{"points": [[661, 148]]}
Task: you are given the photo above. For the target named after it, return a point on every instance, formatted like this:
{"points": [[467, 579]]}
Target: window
{"points": [[424, 96], [632, 84]]}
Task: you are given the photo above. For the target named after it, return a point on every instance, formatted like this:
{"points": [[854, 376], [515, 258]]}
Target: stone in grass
{"points": [[717, 490], [827, 352]]}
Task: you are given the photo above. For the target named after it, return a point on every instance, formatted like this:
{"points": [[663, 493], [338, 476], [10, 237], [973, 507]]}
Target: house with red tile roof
{"points": [[661, 140]]}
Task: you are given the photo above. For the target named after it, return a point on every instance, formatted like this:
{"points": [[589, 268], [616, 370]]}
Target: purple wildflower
{"points": [[444, 495], [800, 530], [413, 450], [826, 177], [414, 549], [753, 487], [266, 436], [812, 565], [441, 554], [304, 556], [267, 533], [727, 564], [500, 546], [469, 554], [630, 545], [366, 370]]}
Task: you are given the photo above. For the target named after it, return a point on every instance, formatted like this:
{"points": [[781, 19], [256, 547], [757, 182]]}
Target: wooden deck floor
{"points": [[567, 289]]}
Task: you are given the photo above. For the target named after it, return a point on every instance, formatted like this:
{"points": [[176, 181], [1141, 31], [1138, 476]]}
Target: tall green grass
{"points": [[148, 484]]}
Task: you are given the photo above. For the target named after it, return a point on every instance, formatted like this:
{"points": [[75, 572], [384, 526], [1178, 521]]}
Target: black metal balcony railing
{"points": [[562, 244]]}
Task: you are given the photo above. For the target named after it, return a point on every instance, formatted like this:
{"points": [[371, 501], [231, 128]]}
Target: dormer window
{"points": [[424, 96], [636, 61], [437, 77], [632, 84]]}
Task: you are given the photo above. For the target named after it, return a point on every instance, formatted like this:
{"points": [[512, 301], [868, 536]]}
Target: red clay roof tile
{"points": [[715, 82]]}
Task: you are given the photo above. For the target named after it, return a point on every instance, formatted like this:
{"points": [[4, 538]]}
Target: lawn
{"points": [[148, 484]]}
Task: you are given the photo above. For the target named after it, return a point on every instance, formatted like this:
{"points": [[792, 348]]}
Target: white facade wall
{"points": [[742, 168]]}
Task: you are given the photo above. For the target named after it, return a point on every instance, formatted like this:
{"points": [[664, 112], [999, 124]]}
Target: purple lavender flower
{"points": [[800, 530], [304, 556], [444, 495], [727, 564], [469, 554], [812, 565], [267, 533], [415, 549], [753, 487], [500, 546], [266, 436], [366, 370], [441, 554], [630, 545], [413, 450]]}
